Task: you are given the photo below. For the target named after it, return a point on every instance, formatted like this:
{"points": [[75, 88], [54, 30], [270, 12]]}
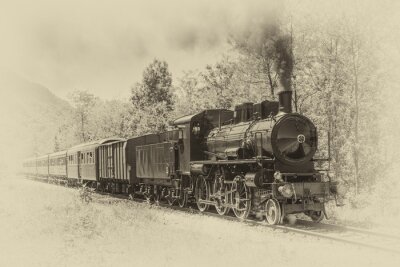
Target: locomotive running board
{"points": [[228, 162]]}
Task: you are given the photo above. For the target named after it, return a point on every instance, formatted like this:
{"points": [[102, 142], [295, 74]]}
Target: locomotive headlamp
{"points": [[278, 176], [286, 190]]}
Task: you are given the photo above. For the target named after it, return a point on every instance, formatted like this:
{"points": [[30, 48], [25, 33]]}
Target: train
{"points": [[256, 160]]}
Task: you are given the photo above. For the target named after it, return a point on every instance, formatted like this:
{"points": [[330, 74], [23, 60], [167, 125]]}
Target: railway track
{"points": [[344, 234], [337, 233]]}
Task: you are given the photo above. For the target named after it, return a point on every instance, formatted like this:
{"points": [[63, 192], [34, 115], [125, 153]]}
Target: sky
{"points": [[104, 46]]}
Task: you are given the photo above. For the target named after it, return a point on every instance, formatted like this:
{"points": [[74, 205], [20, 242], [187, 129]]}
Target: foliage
{"points": [[152, 99], [83, 101], [155, 86]]}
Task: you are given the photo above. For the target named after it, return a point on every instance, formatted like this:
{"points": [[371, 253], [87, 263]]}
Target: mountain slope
{"points": [[30, 116]]}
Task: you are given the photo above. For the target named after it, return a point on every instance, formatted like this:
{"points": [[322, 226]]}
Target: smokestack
{"points": [[285, 101]]}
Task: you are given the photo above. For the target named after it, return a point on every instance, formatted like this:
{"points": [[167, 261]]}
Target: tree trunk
{"points": [[356, 116]]}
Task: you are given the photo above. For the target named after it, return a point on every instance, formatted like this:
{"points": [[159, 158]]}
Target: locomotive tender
{"points": [[257, 159]]}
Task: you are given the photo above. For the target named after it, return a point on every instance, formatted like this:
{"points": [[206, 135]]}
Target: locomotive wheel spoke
{"points": [[202, 193], [241, 199], [223, 198], [183, 196], [182, 201]]}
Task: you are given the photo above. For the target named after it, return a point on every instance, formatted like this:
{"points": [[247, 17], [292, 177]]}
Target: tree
{"points": [[217, 81], [109, 118], [56, 144], [83, 102], [152, 98], [188, 96], [155, 86]]}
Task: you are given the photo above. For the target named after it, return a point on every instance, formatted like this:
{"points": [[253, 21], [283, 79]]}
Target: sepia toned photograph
{"points": [[199, 133]]}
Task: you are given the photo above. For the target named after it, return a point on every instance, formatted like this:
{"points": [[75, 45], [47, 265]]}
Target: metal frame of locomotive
{"points": [[255, 160]]}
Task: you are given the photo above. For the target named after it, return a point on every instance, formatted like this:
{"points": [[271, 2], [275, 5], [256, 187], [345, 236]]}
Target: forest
{"points": [[340, 66]]}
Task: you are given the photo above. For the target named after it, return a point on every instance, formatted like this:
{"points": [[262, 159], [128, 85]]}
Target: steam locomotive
{"points": [[256, 160]]}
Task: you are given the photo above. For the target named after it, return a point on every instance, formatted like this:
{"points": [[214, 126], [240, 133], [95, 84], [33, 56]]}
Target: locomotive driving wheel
{"points": [[273, 211], [222, 197], [183, 196], [182, 201], [241, 198], [202, 193]]}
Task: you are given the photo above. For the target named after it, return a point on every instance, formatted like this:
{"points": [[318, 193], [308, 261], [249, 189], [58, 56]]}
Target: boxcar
{"points": [[113, 168], [58, 164]]}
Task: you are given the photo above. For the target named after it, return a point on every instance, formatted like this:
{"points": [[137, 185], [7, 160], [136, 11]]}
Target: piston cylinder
{"points": [[254, 179], [199, 169]]}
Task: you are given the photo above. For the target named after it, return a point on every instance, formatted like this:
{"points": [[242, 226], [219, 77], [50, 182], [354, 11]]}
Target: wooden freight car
{"points": [[112, 168]]}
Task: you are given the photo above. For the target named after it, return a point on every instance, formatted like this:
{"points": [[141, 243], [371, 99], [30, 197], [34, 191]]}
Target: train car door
{"points": [[110, 162]]}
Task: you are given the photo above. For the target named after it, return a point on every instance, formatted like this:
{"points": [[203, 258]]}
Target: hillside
{"points": [[30, 115]]}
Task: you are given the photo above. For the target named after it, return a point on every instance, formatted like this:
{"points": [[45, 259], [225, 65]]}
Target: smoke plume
{"points": [[284, 61]]}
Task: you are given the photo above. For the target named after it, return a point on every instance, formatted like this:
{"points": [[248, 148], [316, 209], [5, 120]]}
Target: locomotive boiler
{"points": [[262, 131]]}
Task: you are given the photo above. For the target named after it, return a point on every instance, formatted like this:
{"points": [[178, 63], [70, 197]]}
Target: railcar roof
{"points": [[114, 142], [59, 153], [184, 119], [188, 118], [42, 157], [94, 143]]}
